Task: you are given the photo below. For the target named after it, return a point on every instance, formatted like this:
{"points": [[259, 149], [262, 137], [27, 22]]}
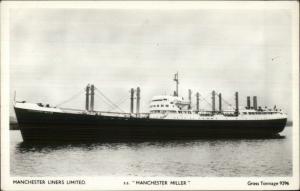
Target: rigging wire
{"points": [[103, 100], [102, 97], [226, 102], [108, 100], [205, 99], [71, 98], [119, 103]]}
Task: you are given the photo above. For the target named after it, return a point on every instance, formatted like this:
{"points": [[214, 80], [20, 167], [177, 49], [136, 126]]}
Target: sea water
{"points": [[203, 158]]}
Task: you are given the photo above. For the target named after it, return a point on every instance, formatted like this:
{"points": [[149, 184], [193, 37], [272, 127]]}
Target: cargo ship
{"points": [[169, 117]]}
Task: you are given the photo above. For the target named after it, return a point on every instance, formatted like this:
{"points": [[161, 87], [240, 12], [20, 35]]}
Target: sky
{"points": [[55, 53]]}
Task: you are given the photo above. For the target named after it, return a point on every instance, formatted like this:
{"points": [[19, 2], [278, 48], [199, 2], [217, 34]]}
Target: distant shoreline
{"points": [[15, 126]]}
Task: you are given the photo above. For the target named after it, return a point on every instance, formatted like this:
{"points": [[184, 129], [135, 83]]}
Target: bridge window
{"points": [[162, 105], [167, 105]]}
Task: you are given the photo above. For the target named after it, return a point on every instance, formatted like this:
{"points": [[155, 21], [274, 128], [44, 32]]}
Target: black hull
{"points": [[59, 127]]}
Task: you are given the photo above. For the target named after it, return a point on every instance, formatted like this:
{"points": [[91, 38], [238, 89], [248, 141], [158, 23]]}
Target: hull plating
{"points": [[49, 127]]}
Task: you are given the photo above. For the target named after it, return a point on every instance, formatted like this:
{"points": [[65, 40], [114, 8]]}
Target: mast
{"points": [[220, 102], [213, 97], [177, 82], [87, 94], [138, 98], [131, 100], [248, 102], [255, 102], [197, 101], [92, 97], [236, 103]]}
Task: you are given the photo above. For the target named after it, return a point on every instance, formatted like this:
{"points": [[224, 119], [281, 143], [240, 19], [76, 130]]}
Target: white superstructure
{"points": [[173, 107]]}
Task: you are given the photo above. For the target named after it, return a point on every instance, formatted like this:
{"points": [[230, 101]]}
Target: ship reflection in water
{"points": [[203, 157]]}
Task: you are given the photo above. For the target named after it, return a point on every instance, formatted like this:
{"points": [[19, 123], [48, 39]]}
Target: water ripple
{"points": [[210, 157]]}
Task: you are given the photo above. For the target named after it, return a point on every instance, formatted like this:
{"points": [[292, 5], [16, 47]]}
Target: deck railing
{"points": [[108, 113], [146, 115]]}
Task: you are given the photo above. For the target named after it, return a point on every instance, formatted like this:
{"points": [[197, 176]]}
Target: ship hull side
{"points": [[51, 126]]}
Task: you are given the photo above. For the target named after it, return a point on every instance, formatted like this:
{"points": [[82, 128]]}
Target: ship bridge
{"points": [[166, 103]]}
